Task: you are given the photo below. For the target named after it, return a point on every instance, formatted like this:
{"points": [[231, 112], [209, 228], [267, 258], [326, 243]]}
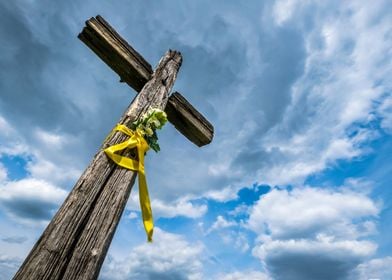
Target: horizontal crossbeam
{"points": [[134, 70]]}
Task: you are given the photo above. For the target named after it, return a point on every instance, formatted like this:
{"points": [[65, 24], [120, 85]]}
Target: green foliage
{"points": [[148, 124]]}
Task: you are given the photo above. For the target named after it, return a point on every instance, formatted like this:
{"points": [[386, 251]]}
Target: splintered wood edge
{"points": [[101, 38], [136, 55]]}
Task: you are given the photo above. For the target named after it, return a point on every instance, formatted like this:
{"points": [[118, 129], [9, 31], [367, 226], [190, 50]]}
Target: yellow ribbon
{"points": [[135, 141]]}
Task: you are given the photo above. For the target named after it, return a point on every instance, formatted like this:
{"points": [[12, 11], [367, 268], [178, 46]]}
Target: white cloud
{"points": [[168, 257], [222, 195], [283, 10], [380, 268], [319, 246], [241, 275], [241, 209], [341, 90], [49, 160], [3, 173], [181, 207], [30, 200], [220, 223], [31, 188], [49, 170], [358, 185], [313, 233], [386, 114], [132, 215], [305, 212], [49, 139]]}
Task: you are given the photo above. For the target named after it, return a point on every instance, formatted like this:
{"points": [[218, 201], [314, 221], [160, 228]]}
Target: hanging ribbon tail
{"points": [[146, 207], [135, 141]]}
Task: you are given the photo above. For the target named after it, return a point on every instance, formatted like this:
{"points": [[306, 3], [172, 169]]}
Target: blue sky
{"points": [[296, 184]]}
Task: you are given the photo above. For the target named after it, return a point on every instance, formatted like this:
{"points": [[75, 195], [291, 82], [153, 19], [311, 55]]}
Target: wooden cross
{"points": [[75, 243]]}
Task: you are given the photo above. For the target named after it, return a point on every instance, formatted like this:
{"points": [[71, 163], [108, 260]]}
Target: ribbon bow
{"points": [[135, 141]]}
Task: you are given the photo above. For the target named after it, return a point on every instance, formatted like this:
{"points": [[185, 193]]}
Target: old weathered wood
{"points": [[134, 70], [188, 120], [75, 243], [116, 52]]}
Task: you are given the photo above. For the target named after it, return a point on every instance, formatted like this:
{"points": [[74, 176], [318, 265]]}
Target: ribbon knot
{"points": [[137, 141]]}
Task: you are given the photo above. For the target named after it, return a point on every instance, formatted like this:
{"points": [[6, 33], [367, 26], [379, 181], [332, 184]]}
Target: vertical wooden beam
{"points": [[76, 241]]}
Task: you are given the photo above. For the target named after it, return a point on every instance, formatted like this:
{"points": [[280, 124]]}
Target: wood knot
{"points": [[94, 252]]}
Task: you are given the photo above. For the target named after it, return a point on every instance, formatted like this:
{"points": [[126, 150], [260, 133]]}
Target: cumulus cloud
{"points": [[46, 169], [170, 256], [240, 275], [306, 212], [313, 259], [180, 208], [313, 233], [30, 200], [380, 268]]}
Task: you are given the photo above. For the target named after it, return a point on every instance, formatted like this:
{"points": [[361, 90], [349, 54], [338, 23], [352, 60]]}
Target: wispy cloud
{"points": [[8, 266], [14, 239], [239, 275], [220, 223]]}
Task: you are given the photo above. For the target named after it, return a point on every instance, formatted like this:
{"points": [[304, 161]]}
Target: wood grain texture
{"points": [[188, 120], [75, 243], [116, 52], [134, 70]]}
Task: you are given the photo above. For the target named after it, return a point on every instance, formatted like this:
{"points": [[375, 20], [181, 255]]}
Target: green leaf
{"points": [[151, 120]]}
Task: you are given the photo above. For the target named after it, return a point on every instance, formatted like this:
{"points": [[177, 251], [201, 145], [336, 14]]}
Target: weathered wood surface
{"points": [[116, 52], [134, 70], [76, 241], [188, 121]]}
